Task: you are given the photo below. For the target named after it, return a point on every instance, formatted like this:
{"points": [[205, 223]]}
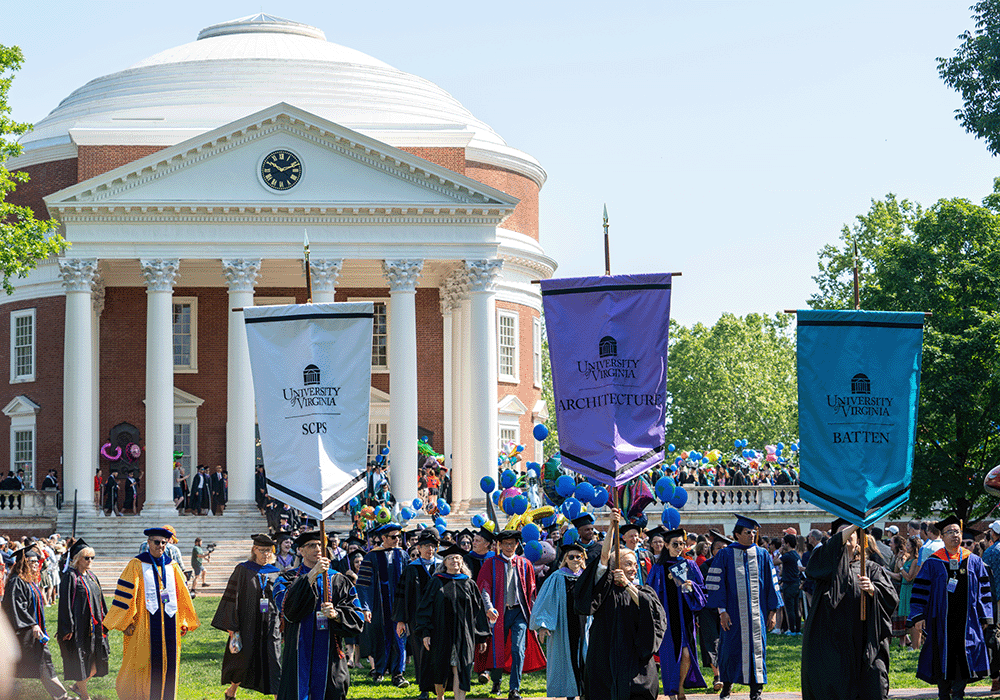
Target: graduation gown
{"points": [[680, 607], [217, 486], [708, 627], [843, 657], [378, 579], [955, 648], [452, 613], [152, 652], [566, 648], [24, 607], [492, 581], [416, 576], [742, 580], [314, 666], [201, 496], [257, 666], [475, 562], [81, 613], [111, 494], [623, 637]]}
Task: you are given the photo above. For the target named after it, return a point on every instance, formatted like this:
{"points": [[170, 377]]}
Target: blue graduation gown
{"points": [[742, 580], [930, 601], [680, 607], [377, 582], [552, 611]]}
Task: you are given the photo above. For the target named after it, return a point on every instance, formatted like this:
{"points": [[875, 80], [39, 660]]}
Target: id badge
{"points": [[952, 585], [165, 596], [264, 606], [953, 564], [321, 621]]}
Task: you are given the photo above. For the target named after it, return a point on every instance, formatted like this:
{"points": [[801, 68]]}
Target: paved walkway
{"points": [[908, 693]]}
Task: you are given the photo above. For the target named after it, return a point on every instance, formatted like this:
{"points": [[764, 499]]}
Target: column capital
{"points": [[324, 273], [481, 275], [241, 274], [78, 274], [160, 274], [453, 291], [402, 274]]}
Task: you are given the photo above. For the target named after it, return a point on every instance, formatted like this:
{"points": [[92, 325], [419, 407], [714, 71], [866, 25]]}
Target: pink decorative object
{"points": [[113, 457], [132, 452]]}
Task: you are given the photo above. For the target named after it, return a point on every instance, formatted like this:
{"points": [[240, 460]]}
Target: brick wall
{"points": [[451, 158], [94, 160], [525, 217], [46, 178]]}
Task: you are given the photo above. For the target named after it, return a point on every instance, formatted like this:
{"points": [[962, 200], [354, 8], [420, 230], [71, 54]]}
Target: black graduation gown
{"points": [[110, 494], [217, 486], [24, 608], [260, 489], [131, 494], [201, 496], [709, 627], [257, 666], [309, 651], [623, 637], [474, 563], [452, 614], [843, 657], [81, 613], [411, 588]]}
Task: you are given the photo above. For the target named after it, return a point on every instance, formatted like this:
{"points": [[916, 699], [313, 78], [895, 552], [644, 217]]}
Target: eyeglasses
{"points": [[675, 544], [88, 558], [574, 556], [158, 542]]}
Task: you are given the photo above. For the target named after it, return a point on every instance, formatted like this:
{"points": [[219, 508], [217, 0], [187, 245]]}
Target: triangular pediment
{"points": [[21, 406], [511, 405], [341, 172]]}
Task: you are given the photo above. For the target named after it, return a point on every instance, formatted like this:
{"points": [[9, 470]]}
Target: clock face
{"points": [[281, 170]]}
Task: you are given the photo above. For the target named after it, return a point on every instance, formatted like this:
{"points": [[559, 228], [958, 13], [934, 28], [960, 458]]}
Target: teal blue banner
{"points": [[859, 387]]}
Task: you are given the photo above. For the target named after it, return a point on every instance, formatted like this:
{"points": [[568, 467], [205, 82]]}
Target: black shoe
{"points": [[727, 690], [372, 673], [424, 696], [400, 682], [514, 695], [716, 683], [496, 688], [378, 678]]}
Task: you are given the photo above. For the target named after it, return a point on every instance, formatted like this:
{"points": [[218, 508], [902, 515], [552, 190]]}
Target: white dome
{"points": [[240, 67]]}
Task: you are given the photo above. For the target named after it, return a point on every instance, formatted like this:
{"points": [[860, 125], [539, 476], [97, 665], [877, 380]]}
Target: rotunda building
{"points": [[186, 185]]}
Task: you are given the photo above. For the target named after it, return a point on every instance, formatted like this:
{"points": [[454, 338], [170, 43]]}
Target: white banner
{"points": [[311, 366]]}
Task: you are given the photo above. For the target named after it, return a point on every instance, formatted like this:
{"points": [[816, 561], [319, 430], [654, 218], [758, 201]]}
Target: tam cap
{"points": [[508, 535], [389, 527], [262, 541], [158, 532], [428, 536]]}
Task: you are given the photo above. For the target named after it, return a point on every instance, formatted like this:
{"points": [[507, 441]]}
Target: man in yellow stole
{"points": [[152, 606]]}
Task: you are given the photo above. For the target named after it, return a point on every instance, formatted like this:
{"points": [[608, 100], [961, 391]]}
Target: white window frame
{"points": [[186, 413], [23, 414], [513, 427], [193, 367], [14, 315], [536, 351], [388, 338], [514, 378]]}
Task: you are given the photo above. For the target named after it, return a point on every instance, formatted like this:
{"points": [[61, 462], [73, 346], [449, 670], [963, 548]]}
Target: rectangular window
{"points": [[507, 346], [536, 350], [22, 346], [508, 435], [24, 455], [378, 437], [182, 443], [185, 328], [380, 337]]}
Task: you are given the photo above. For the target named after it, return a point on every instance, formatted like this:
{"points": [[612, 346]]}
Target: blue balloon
{"points": [[671, 518], [600, 498], [496, 497], [565, 485], [406, 513], [780, 446], [585, 492], [507, 479], [665, 488], [533, 551], [417, 504], [519, 504], [507, 506], [385, 450], [444, 509], [531, 533], [679, 498], [570, 536], [379, 459], [572, 508], [487, 484], [441, 529], [737, 444], [671, 447], [794, 447], [478, 520], [549, 521], [354, 503], [540, 432], [439, 521]]}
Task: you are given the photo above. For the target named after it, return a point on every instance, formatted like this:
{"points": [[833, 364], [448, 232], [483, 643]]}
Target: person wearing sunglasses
{"points": [[564, 632], [380, 574], [152, 606], [82, 639], [680, 588]]}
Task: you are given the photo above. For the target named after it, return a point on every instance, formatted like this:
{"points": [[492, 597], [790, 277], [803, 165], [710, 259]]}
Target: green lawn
{"points": [[202, 650]]}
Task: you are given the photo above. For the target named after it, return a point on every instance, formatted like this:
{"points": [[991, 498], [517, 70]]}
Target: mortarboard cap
{"points": [[837, 524], [355, 541], [453, 549], [77, 547], [718, 537], [657, 531], [487, 535], [31, 551], [571, 547], [628, 527], [950, 520], [428, 536], [584, 519], [307, 537], [671, 534], [744, 521]]}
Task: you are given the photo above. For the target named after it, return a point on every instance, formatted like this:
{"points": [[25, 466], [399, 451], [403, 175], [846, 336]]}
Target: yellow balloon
{"points": [[539, 514], [713, 457]]}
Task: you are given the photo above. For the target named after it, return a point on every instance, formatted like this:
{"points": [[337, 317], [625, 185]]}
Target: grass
{"points": [[201, 660]]}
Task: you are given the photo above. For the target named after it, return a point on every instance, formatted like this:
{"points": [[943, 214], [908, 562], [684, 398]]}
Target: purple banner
{"points": [[608, 350]]}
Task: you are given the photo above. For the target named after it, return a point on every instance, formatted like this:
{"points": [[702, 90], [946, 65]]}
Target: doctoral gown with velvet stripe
{"points": [[566, 648], [378, 579], [680, 607], [492, 582]]}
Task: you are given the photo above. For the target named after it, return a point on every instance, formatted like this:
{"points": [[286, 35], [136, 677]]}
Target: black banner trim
{"points": [[315, 504], [604, 288], [850, 509], [299, 317], [622, 468]]}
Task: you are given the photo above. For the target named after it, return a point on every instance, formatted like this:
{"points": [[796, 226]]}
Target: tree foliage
{"points": [[945, 260], [735, 379], [974, 72], [23, 239]]}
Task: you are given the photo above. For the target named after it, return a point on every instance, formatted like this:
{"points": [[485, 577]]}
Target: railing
{"points": [[30, 504], [745, 499]]}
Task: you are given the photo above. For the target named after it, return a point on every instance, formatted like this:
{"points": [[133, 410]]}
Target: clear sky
{"points": [[730, 140]]}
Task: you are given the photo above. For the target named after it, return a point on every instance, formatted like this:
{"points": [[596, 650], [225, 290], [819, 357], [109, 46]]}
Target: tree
{"points": [[947, 262], [974, 72], [24, 240], [733, 380], [550, 446]]}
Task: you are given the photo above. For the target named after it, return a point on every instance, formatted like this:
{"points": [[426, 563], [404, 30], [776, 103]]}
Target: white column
{"points": [[240, 416], [160, 276], [78, 425], [472, 489], [448, 444], [460, 474], [324, 275], [481, 277], [96, 372], [402, 278]]}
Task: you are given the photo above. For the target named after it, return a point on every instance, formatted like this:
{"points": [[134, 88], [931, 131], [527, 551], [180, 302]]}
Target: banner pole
{"points": [[309, 281], [864, 544], [607, 244], [615, 536], [327, 593], [857, 295]]}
